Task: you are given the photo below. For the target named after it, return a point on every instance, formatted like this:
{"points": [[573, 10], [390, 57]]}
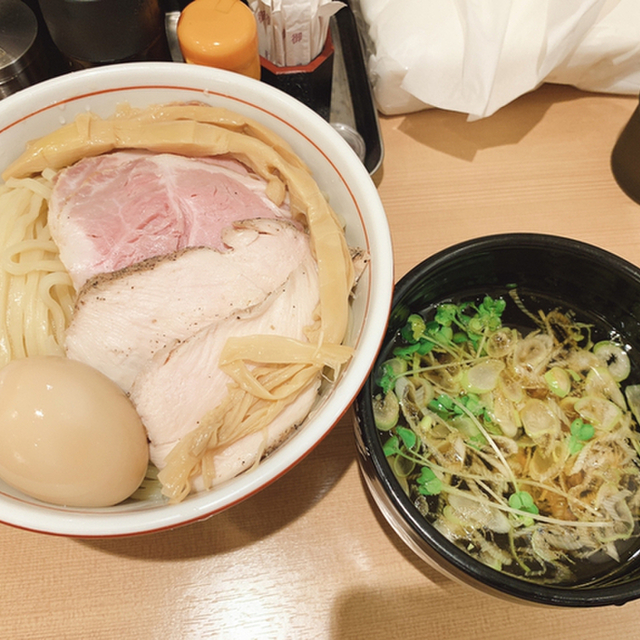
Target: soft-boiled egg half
{"points": [[68, 434]]}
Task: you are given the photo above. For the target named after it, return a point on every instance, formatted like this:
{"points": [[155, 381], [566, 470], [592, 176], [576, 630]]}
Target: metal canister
{"points": [[21, 61], [91, 33]]}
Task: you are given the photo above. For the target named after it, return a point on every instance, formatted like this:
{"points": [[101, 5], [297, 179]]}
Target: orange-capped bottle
{"points": [[222, 34]]}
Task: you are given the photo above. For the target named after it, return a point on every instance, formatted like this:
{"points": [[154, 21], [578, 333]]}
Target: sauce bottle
{"points": [[222, 34]]}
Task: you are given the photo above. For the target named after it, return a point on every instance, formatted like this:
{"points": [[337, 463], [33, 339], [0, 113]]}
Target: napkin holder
{"points": [[310, 83]]}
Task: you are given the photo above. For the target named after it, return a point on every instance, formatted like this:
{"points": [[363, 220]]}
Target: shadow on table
{"points": [[452, 611], [263, 514], [447, 611], [385, 611], [429, 572], [452, 134]]}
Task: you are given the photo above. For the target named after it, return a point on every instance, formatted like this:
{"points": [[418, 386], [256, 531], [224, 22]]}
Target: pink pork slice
{"points": [[117, 209]]}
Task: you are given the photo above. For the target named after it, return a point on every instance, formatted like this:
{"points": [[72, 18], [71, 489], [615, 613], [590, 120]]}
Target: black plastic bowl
{"points": [[553, 272]]}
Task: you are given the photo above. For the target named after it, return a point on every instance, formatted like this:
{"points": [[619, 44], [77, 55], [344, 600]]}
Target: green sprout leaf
{"points": [[425, 346], [459, 337], [473, 403], [488, 317], [409, 350], [391, 446], [452, 325], [446, 314], [491, 312], [407, 436], [388, 379], [442, 405], [581, 432], [523, 501], [428, 483], [414, 328]]}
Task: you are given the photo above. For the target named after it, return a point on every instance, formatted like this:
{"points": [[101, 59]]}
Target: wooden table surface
{"points": [[310, 556]]}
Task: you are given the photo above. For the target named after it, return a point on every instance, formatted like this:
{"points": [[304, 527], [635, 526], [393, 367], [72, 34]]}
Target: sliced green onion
{"points": [[386, 411], [615, 357]]}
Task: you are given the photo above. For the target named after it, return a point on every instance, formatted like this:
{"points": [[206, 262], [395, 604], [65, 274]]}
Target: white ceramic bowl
{"points": [[42, 108]]}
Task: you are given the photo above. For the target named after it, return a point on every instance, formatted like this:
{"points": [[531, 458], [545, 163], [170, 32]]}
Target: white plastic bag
{"points": [[475, 56]]}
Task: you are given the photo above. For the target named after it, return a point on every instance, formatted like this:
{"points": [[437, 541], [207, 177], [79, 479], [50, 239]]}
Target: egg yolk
{"points": [[68, 434]]}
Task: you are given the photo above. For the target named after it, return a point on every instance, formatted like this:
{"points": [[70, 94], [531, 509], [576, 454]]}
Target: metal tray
{"points": [[352, 105]]}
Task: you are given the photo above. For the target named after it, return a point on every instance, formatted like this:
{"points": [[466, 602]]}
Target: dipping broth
{"points": [[511, 424]]}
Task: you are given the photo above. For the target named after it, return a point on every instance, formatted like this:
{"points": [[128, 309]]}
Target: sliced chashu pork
{"points": [[122, 319], [180, 385], [241, 455], [117, 209]]}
